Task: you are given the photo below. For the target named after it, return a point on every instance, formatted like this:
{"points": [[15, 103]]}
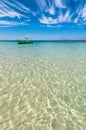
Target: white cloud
{"points": [[7, 9], [42, 4], [84, 13], [51, 10], [45, 14], [81, 17], [64, 18], [61, 18], [77, 18], [15, 4], [59, 4], [4, 23], [7, 13], [46, 7], [47, 20], [13, 9]]}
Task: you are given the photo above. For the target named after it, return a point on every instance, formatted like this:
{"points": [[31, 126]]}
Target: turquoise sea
{"points": [[43, 86]]}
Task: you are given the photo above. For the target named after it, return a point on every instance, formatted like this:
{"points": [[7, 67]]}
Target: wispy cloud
{"points": [[64, 18], [12, 9], [51, 10], [84, 13], [59, 3], [62, 12], [4, 23], [47, 20], [43, 11], [60, 19], [7, 9]]}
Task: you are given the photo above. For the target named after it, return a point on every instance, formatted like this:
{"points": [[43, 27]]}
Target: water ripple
{"points": [[40, 93]]}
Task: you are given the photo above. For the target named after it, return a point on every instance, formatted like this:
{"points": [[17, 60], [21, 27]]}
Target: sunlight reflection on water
{"points": [[43, 86]]}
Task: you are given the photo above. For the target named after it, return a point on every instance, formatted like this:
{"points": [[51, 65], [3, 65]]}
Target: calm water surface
{"points": [[43, 86]]}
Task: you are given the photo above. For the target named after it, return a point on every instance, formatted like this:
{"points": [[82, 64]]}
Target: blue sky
{"points": [[43, 19]]}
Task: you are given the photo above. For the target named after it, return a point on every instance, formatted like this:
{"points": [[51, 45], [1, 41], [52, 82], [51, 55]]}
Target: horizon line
{"points": [[49, 40]]}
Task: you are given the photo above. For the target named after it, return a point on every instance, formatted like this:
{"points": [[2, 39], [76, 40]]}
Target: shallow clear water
{"points": [[43, 86]]}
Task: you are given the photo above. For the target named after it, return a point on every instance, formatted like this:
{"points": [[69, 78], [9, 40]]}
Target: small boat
{"points": [[26, 41]]}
